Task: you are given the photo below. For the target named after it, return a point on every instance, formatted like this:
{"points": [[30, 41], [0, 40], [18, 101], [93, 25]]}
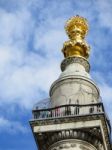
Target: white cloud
{"points": [[105, 11], [26, 71], [15, 27], [50, 42], [105, 88], [23, 77], [11, 126], [105, 92]]}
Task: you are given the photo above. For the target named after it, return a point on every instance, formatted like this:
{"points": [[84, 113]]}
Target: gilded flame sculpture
{"points": [[76, 28]]}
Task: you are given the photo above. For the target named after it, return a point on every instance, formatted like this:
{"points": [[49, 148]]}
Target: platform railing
{"points": [[68, 110]]}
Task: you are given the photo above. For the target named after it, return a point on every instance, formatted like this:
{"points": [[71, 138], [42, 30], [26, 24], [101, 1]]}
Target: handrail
{"points": [[68, 110], [82, 105]]}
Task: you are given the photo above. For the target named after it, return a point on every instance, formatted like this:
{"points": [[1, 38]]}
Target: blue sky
{"points": [[31, 37]]}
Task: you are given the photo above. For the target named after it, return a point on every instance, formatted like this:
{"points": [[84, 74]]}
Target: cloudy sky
{"points": [[31, 37]]}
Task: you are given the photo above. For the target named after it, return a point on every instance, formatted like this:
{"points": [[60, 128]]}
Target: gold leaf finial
{"points": [[76, 28]]}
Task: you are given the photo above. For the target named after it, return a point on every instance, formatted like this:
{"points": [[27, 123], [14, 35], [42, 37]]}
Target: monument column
{"points": [[73, 118]]}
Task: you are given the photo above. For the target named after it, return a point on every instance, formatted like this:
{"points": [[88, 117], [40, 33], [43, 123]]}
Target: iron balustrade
{"points": [[68, 110]]}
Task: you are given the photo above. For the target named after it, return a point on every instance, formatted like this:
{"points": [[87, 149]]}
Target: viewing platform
{"points": [[68, 110], [44, 111]]}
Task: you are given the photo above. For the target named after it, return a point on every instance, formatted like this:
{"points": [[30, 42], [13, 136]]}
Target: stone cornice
{"points": [[77, 119]]}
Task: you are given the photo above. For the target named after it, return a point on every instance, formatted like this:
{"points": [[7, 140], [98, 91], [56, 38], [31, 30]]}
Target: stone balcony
{"points": [[67, 111], [89, 119]]}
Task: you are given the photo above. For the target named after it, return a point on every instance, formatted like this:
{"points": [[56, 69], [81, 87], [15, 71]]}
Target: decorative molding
{"points": [[82, 147], [72, 144], [50, 139], [92, 132], [71, 60]]}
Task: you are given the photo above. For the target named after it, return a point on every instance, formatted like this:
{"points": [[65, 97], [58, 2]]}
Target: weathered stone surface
{"points": [[72, 144]]}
